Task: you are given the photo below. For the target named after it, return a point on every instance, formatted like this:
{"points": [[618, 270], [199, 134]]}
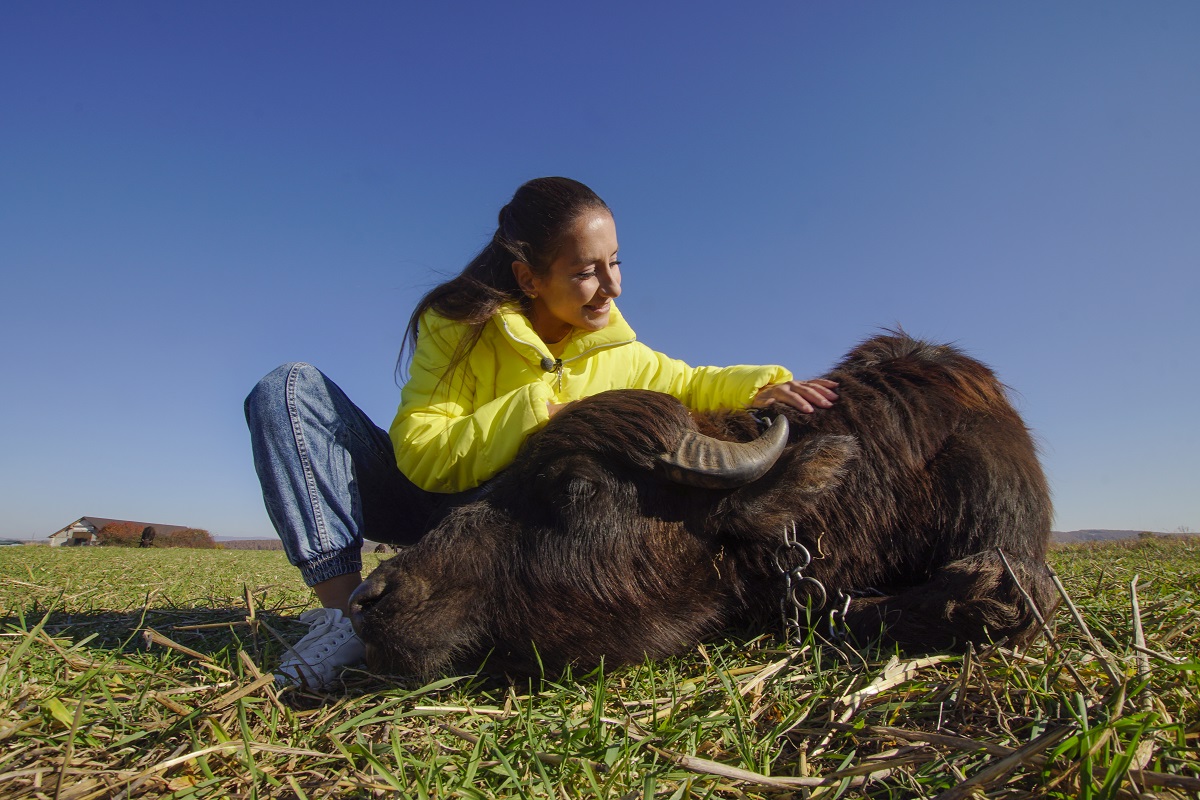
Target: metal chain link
{"points": [[838, 628], [794, 581]]}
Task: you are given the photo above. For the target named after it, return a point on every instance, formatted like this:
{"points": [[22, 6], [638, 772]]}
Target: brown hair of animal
{"points": [[582, 551]]}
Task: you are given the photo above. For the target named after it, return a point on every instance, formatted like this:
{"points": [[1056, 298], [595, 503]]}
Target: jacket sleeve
{"points": [[704, 388], [442, 440]]}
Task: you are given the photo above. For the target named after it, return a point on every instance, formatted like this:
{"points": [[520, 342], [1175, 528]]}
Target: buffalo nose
{"points": [[362, 599]]}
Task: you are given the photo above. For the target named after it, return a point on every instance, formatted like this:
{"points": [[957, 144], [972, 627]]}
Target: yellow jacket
{"points": [[452, 435]]}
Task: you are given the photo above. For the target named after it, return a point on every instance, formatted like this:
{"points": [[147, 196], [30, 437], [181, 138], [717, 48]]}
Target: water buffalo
{"points": [[630, 527]]}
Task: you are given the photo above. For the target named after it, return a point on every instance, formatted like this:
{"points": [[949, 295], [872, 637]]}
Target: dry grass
{"points": [[139, 674]]}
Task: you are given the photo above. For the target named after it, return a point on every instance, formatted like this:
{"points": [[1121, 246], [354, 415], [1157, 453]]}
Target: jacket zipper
{"points": [[556, 366]]}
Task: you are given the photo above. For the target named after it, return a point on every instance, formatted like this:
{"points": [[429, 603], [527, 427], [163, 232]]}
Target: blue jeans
{"points": [[329, 475]]}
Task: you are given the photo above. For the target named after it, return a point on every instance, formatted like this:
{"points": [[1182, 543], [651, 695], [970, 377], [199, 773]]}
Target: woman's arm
{"points": [[702, 388], [710, 388]]}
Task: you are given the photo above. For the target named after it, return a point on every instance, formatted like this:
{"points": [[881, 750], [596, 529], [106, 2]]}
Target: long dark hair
{"points": [[530, 228]]}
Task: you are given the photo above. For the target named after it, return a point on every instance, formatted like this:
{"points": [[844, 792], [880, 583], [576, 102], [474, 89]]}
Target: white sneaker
{"points": [[329, 646]]}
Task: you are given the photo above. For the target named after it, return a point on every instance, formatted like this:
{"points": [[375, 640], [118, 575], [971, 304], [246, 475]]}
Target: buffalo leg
{"points": [[973, 599]]}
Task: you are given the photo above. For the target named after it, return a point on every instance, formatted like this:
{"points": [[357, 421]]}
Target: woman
{"points": [[528, 326]]}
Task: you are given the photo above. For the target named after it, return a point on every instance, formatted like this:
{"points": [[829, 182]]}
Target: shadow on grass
{"points": [[157, 637], [211, 632]]}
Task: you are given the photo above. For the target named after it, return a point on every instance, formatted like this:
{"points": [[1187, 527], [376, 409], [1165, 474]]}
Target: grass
{"points": [[139, 673]]}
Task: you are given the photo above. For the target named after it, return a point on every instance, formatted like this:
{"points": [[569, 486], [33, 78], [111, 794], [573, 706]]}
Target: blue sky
{"points": [[194, 193]]}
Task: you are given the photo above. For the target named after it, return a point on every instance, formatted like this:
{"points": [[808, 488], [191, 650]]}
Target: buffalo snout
{"points": [[414, 620]]}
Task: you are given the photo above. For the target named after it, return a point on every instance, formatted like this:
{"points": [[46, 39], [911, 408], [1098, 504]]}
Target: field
{"points": [[145, 673]]}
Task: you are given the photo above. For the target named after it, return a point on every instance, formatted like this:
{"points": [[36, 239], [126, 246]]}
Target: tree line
{"points": [[128, 534]]}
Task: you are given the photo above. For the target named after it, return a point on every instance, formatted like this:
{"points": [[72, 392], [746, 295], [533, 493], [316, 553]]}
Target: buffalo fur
{"points": [[909, 487]]}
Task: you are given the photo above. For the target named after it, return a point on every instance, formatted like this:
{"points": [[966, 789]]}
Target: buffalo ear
{"points": [[823, 462]]}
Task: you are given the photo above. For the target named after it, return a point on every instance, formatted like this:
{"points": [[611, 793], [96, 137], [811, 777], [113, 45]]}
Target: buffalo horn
{"points": [[710, 463]]}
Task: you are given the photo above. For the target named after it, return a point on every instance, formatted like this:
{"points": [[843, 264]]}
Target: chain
{"points": [[791, 609], [838, 628], [837, 617]]}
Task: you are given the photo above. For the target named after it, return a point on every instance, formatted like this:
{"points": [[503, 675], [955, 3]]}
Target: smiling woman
{"points": [[577, 289], [527, 327]]}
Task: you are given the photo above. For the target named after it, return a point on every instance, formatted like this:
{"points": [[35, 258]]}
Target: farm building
{"points": [[83, 530]]}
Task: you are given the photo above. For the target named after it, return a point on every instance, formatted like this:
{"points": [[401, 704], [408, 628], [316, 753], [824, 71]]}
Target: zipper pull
{"points": [[556, 367]]}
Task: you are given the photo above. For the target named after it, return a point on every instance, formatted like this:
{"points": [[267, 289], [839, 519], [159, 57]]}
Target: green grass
{"points": [[140, 673]]}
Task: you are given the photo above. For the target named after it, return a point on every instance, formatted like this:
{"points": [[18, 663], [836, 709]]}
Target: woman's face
{"points": [[583, 278]]}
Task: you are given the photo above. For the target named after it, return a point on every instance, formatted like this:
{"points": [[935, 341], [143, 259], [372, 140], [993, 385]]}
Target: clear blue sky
{"points": [[194, 193]]}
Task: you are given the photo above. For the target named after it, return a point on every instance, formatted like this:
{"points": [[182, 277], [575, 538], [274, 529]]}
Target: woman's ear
{"points": [[524, 275]]}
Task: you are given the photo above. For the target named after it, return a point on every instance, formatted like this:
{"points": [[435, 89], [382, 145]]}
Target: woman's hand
{"points": [[554, 408], [804, 396]]}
